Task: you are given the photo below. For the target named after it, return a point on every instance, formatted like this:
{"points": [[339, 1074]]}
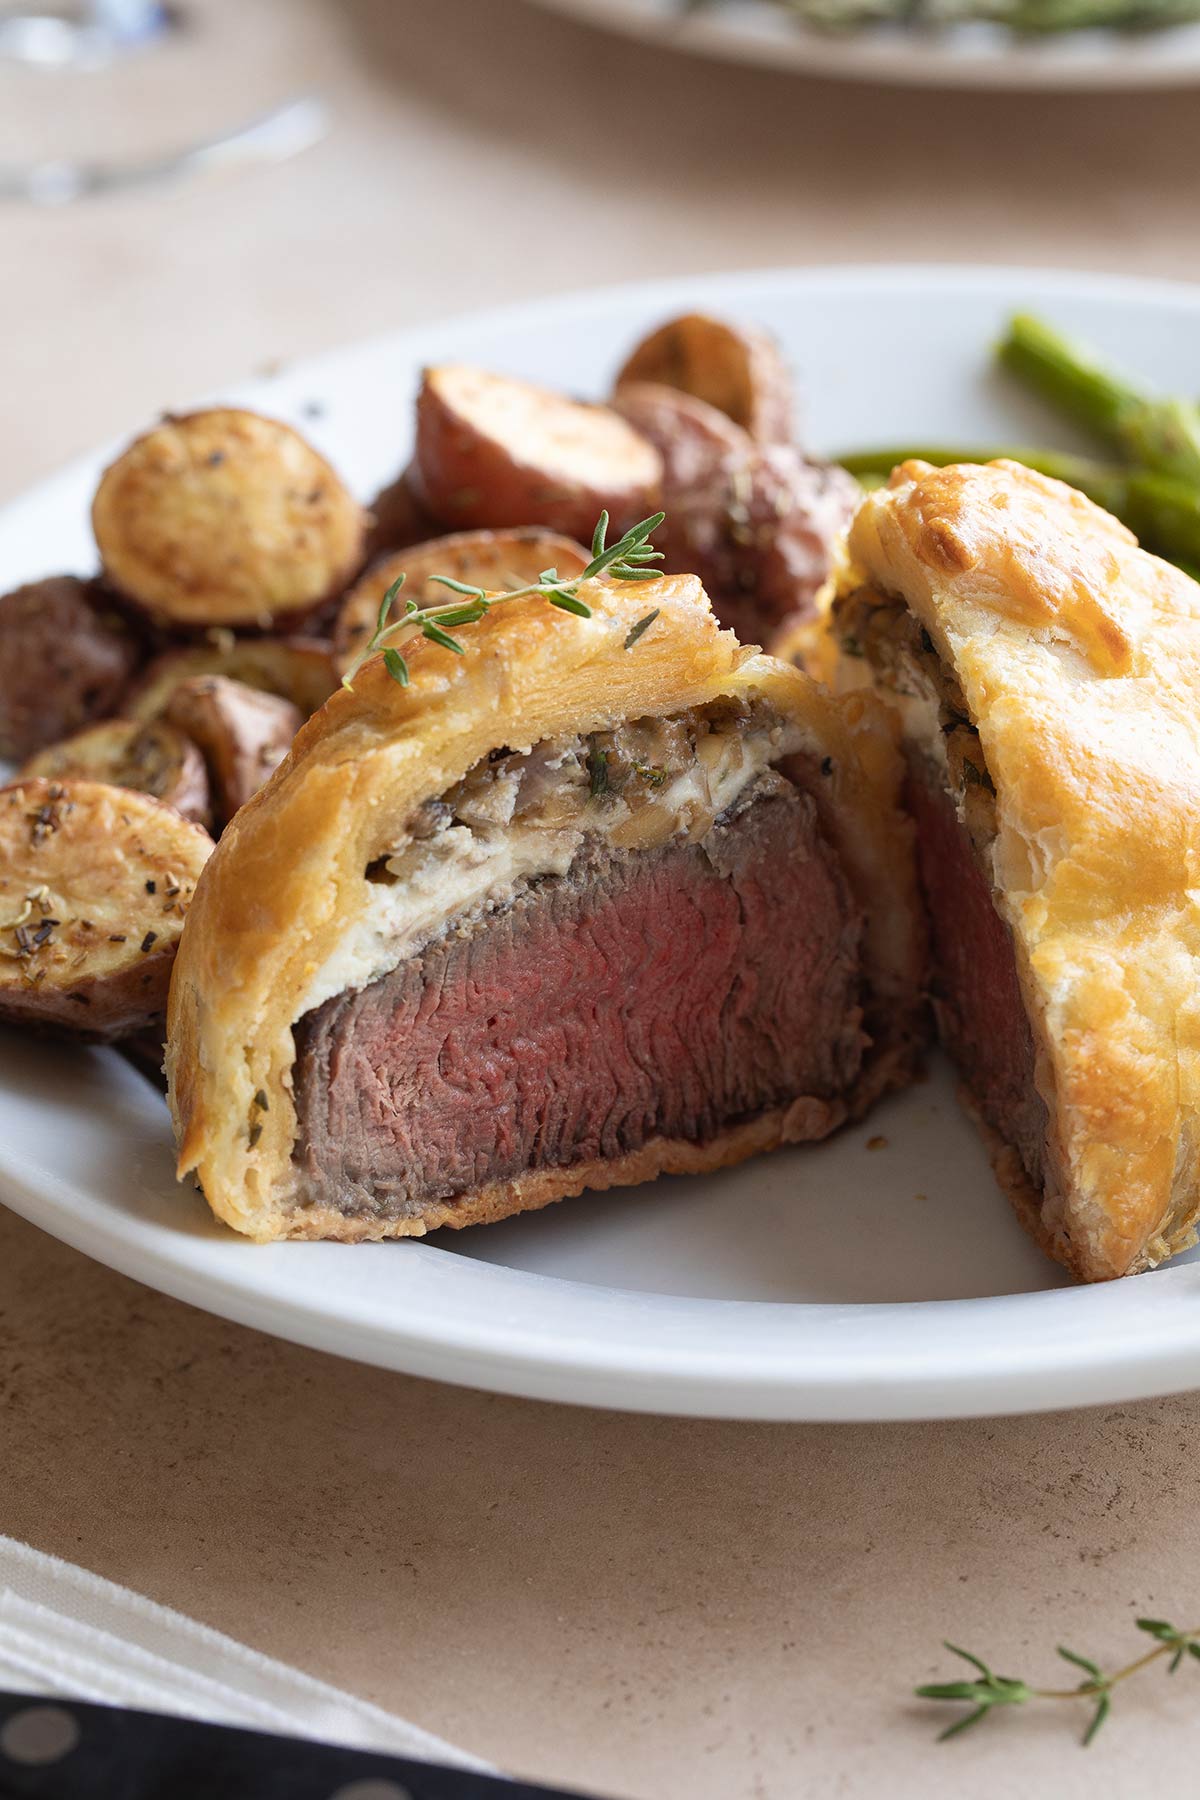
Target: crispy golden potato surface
{"points": [[153, 757], [225, 517], [95, 882]]}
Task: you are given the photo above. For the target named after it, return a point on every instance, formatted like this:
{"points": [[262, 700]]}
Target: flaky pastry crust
{"points": [[1078, 655], [289, 876]]}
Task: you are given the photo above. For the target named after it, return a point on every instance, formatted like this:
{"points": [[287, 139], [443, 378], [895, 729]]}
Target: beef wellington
{"points": [[1046, 671], [576, 908]]}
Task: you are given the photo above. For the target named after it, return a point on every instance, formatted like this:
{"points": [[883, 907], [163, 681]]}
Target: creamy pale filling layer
{"points": [[882, 639], [522, 815]]}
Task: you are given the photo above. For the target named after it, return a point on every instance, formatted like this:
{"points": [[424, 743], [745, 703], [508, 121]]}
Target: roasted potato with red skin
{"points": [[693, 438], [225, 517], [492, 451], [66, 657], [95, 882], [488, 559], [759, 531], [756, 523], [300, 669], [737, 369], [243, 733], [153, 758], [399, 517]]}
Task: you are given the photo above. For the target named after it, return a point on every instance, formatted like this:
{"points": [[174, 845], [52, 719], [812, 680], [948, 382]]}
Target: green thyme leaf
{"points": [[436, 635], [992, 1690], [635, 631], [961, 1725], [1081, 1662], [597, 765], [460, 615], [568, 603], [968, 1657], [1103, 1708], [459, 587], [386, 604]]}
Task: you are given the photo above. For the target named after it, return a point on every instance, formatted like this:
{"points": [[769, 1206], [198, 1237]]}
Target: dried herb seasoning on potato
{"points": [[95, 882], [225, 517]]}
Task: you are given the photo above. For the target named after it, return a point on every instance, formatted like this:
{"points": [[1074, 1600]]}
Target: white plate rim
{"points": [[1125, 1341], [960, 56]]}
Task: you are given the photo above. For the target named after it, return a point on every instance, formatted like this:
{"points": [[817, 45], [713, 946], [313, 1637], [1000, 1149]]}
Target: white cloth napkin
{"points": [[67, 1633]]}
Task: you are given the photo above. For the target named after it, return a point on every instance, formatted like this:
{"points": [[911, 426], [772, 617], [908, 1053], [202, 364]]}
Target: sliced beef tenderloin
{"points": [[668, 993], [976, 991], [977, 996]]}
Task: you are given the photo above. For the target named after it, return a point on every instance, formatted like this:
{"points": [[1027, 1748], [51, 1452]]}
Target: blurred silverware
{"points": [[271, 137], [82, 36]]}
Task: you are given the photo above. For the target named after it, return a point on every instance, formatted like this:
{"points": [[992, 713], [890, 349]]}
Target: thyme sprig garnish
{"points": [[990, 1690], [631, 558]]}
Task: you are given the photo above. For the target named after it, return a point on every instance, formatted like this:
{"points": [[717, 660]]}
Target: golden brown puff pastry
{"points": [[548, 918], [1048, 673]]}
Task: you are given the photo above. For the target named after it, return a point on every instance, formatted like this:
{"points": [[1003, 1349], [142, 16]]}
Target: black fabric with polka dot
{"points": [[65, 1750]]}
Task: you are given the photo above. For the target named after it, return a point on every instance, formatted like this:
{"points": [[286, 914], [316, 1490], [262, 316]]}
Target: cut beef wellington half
{"points": [[1047, 672], [583, 905]]}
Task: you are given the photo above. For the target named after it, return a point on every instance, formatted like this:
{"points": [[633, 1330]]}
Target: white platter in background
{"points": [[970, 55], [836, 1282]]}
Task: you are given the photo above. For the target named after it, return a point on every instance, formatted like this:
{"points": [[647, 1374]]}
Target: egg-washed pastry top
{"points": [[580, 906], [1048, 674]]}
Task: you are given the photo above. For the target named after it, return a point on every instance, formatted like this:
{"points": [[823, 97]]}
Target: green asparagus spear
{"points": [[1106, 485], [1160, 435], [1162, 512], [1021, 17]]}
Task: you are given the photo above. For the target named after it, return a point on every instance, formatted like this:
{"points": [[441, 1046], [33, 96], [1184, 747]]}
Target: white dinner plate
{"points": [[836, 1282], [970, 55]]}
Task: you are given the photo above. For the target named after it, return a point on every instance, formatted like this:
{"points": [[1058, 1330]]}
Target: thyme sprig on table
{"points": [[631, 558], [990, 1690]]}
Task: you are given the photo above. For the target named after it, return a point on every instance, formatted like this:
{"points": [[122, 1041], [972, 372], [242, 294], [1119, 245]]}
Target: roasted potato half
{"points": [[735, 368], [486, 559], [225, 518], [66, 658], [693, 438], [95, 882], [301, 669], [496, 452], [243, 733], [759, 529], [399, 517], [154, 758], [756, 522]]}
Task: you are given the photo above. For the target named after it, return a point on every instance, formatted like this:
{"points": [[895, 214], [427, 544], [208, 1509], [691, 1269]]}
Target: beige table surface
{"points": [[683, 1611]]}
